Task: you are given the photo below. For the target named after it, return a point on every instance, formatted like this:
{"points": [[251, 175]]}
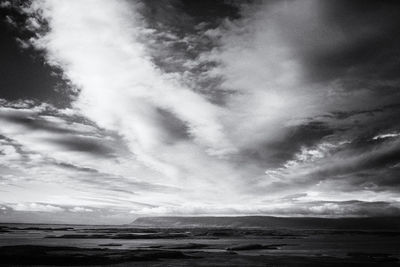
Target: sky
{"points": [[116, 109]]}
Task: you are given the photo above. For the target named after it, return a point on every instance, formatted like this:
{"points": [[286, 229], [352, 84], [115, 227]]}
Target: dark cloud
{"points": [[65, 132], [33, 122], [185, 15], [75, 167], [85, 144], [180, 27], [173, 126], [179, 39], [10, 141], [372, 167], [274, 154]]}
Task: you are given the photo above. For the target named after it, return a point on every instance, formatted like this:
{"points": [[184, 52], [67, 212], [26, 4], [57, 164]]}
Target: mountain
{"points": [[381, 223]]}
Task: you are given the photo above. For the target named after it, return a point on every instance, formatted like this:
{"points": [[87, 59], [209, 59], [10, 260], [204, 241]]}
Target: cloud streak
{"points": [[184, 110]]}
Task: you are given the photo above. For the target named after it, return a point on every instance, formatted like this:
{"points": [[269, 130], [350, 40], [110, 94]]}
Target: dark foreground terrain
{"points": [[213, 244]]}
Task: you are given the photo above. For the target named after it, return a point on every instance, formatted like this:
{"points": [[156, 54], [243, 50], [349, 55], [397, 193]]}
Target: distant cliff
{"points": [[381, 223]]}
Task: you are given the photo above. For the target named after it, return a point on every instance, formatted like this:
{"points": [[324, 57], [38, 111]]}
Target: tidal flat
{"points": [[82, 245]]}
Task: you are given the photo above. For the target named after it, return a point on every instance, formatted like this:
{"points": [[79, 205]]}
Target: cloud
{"points": [[341, 170], [301, 208], [169, 128], [182, 109], [133, 82], [80, 209], [383, 136], [269, 95], [5, 4], [36, 207], [45, 129], [47, 213], [64, 155]]}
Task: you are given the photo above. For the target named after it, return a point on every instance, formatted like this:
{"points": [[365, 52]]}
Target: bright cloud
{"points": [[36, 207]]}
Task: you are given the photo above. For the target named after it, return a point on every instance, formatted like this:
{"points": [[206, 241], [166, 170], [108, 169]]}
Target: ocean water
{"points": [[250, 243]]}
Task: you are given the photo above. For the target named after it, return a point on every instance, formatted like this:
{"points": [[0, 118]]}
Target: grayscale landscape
{"points": [[199, 133]]}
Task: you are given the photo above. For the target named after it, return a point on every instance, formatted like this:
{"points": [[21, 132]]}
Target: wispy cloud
{"points": [[182, 112]]}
